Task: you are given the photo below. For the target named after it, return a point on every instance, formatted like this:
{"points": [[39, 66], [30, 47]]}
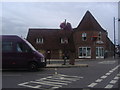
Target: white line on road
{"points": [[103, 77], [70, 76], [107, 62], [63, 78], [51, 82], [55, 80], [55, 87], [113, 81], [116, 78], [109, 86], [58, 83], [56, 71], [92, 84], [43, 83], [107, 73], [111, 71], [98, 80], [24, 84], [118, 75]]}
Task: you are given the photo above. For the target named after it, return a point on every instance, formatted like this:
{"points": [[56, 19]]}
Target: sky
{"points": [[18, 17]]}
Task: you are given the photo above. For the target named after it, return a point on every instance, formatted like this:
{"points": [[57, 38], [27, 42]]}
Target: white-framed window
{"points": [[99, 52], [63, 40], [39, 40], [84, 52], [84, 36]]}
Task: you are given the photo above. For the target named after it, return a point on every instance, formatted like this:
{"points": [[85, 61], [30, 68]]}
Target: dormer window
{"points": [[63, 40], [39, 40], [84, 36]]}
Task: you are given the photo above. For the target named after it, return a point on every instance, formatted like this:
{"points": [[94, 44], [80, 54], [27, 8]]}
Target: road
{"points": [[99, 74]]}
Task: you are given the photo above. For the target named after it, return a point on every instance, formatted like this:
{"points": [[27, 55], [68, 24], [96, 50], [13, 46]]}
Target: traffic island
{"points": [[65, 66]]}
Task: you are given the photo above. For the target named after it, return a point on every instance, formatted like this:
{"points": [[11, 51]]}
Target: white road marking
{"points": [[103, 77], [114, 69], [98, 80], [118, 75], [55, 87], [116, 78], [109, 86], [69, 79], [43, 83], [111, 71], [55, 80], [63, 78], [113, 81], [70, 76], [107, 73], [92, 84], [23, 84], [56, 71], [51, 82], [107, 62]]}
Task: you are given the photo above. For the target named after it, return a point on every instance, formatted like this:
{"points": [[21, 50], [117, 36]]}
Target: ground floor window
{"points": [[84, 52], [99, 52]]}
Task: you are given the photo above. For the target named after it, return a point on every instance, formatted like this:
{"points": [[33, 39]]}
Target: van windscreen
{"points": [[30, 45]]}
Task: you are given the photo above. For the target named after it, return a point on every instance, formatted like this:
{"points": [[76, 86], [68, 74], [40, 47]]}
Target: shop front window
{"points": [[84, 52]]}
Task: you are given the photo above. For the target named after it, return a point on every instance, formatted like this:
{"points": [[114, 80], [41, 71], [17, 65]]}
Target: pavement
{"points": [[58, 63]]}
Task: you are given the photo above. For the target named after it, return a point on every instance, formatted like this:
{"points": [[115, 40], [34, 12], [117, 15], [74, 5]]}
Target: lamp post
{"points": [[114, 34]]}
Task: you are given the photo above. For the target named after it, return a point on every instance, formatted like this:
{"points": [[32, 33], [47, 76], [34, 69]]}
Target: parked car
{"points": [[19, 53]]}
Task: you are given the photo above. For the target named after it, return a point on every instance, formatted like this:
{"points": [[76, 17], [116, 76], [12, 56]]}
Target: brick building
{"points": [[88, 40]]}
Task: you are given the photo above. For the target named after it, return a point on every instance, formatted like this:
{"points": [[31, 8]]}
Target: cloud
{"points": [[18, 16]]}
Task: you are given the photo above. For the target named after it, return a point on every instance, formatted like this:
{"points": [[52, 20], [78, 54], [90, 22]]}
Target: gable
{"points": [[89, 23]]}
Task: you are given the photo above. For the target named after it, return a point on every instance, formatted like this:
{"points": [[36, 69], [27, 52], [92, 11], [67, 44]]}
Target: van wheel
{"points": [[33, 66]]}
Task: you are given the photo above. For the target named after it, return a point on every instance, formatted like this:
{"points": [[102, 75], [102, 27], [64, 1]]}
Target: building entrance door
{"points": [[99, 52]]}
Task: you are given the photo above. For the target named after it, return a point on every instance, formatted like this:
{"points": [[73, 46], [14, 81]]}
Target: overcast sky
{"points": [[18, 17]]}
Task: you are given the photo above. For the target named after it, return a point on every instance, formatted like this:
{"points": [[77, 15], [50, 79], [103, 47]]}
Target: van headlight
{"points": [[42, 59]]}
